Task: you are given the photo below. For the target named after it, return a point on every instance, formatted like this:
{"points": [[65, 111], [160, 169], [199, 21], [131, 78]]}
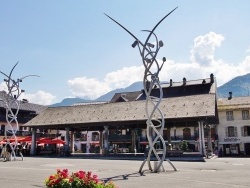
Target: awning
{"points": [[50, 141], [25, 139], [19, 139]]}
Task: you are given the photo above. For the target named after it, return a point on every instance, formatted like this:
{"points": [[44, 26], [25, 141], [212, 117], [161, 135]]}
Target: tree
{"points": [[184, 145]]}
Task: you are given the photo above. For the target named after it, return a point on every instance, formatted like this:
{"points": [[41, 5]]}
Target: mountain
{"points": [[137, 86], [239, 86], [69, 102]]}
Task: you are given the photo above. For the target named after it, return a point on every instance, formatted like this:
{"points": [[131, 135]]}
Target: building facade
{"points": [[234, 126], [27, 111]]}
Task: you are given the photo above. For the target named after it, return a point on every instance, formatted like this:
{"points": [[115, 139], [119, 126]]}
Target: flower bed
{"points": [[80, 179]]}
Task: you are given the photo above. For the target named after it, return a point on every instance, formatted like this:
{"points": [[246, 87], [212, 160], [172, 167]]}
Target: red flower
{"points": [[62, 179], [52, 177]]}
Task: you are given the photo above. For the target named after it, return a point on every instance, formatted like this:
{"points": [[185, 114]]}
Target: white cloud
{"points": [[176, 71], [89, 88], [204, 47], [201, 64], [92, 88], [124, 77], [3, 86], [248, 50], [203, 53], [40, 97]]}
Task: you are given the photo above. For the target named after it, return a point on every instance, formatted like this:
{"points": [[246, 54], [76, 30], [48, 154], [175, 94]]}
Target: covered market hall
{"points": [[188, 107]]}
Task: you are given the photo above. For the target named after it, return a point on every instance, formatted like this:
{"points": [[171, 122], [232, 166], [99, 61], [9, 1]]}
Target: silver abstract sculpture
{"points": [[12, 105], [155, 118]]}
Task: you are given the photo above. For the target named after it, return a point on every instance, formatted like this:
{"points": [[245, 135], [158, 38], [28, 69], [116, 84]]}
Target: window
{"points": [[84, 137], [78, 134], [245, 130], [231, 131], [230, 115], [95, 136], [186, 134], [245, 114], [2, 130]]}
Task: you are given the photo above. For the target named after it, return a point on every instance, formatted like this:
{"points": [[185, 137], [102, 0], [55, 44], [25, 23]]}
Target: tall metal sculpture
{"points": [[155, 125], [12, 105]]}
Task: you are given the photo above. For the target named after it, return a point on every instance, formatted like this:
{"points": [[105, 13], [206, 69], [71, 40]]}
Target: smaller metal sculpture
{"points": [[12, 105], [156, 121]]}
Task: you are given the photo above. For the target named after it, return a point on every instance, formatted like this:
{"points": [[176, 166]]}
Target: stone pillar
{"points": [[200, 139], [72, 141], [105, 139], [101, 141], [203, 138], [33, 142], [133, 134], [209, 140], [169, 136], [138, 140], [67, 152]]}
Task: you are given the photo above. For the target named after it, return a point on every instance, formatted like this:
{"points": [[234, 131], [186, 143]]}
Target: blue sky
{"points": [[78, 52]]}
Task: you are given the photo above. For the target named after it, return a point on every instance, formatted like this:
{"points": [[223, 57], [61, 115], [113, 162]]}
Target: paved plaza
{"points": [[216, 172]]}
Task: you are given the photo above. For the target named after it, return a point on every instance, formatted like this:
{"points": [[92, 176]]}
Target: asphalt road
{"points": [[217, 172]]}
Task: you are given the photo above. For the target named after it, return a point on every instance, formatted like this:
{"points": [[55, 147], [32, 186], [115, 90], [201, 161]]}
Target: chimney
{"points": [[25, 101], [212, 78], [230, 95], [184, 81]]}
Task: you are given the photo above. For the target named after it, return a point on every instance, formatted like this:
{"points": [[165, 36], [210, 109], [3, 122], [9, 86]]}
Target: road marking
{"points": [[58, 165], [208, 170]]}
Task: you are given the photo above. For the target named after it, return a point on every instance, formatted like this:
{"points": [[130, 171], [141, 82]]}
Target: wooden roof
{"points": [[132, 113], [126, 96]]}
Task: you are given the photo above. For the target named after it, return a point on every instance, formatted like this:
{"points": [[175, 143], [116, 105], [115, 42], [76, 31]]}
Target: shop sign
{"points": [[231, 139]]}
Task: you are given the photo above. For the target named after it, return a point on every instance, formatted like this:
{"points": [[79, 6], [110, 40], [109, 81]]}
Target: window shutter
{"points": [[226, 130], [235, 132], [242, 131]]}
